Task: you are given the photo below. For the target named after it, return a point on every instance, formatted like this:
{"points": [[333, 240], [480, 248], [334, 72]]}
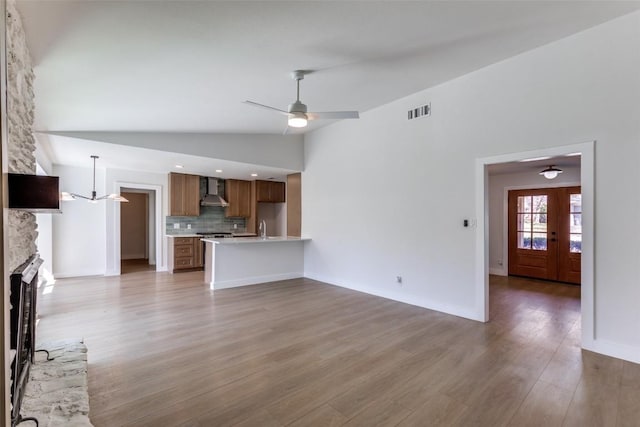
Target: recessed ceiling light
{"points": [[534, 159], [573, 154], [179, 166], [218, 170], [254, 174]]}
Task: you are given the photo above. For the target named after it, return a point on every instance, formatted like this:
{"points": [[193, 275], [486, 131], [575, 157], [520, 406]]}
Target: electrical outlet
{"points": [[235, 226], [188, 226], [499, 262], [176, 226]]}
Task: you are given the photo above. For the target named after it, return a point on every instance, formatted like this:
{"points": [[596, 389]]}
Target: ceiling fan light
{"points": [[298, 120], [551, 172]]}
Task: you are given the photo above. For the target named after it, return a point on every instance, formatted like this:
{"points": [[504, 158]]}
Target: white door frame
{"points": [[158, 217], [587, 182]]}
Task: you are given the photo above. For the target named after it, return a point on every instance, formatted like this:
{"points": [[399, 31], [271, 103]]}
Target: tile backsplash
{"points": [[211, 219]]}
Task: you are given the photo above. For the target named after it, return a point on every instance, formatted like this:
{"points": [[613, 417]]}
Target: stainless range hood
{"points": [[212, 198]]}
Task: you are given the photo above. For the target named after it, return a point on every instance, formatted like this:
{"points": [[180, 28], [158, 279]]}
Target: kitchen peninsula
{"points": [[244, 261]]}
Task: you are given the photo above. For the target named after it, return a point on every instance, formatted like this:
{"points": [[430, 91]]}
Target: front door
{"points": [[545, 233]]}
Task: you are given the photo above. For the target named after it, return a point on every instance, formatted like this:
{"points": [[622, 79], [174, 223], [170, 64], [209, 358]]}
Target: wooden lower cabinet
{"points": [[186, 253]]}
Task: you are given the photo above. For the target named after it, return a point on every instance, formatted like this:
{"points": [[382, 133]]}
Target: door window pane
{"points": [[575, 223], [539, 241], [539, 204], [575, 203], [575, 243], [539, 223], [524, 222], [524, 240], [524, 203]]}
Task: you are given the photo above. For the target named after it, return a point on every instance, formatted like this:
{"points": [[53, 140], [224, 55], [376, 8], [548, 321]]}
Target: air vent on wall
{"points": [[422, 111]]}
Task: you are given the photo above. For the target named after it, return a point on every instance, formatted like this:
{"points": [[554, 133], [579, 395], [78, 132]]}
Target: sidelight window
{"points": [[575, 223]]}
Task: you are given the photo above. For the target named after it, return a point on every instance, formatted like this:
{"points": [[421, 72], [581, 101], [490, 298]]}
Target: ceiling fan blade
{"points": [[333, 115], [255, 104]]}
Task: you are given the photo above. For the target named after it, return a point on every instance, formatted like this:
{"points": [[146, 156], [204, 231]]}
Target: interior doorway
{"points": [[545, 233], [495, 261], [137, 231]]}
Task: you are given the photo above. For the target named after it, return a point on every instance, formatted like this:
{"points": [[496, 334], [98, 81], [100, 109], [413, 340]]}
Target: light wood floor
{"points": [[164, 350]]}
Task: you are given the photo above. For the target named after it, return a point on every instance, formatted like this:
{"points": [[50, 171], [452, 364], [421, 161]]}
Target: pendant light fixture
{"points": [[93, 198], [550, 172]]}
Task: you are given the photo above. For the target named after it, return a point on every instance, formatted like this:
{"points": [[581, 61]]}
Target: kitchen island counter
{"points": [[242, 261], [270, 239]]}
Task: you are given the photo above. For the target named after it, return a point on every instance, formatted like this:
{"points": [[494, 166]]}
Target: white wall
{"points": [[499, 184], [384, 196], [79, 235], [86, 241]]}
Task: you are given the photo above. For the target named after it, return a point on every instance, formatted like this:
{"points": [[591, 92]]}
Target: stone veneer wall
{"points": [[21, 158]]}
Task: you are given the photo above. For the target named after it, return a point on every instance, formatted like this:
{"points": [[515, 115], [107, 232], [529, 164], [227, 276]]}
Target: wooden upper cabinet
{"points": [[238, 195], [184, 195], [270, 191]]}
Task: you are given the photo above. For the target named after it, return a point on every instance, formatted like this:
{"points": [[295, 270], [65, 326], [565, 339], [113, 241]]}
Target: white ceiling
{"points": [[78, 152], [186, 66]]}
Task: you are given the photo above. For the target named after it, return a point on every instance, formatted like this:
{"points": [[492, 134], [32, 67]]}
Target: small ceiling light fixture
{"points": [[550, 172], [218, 170], [179, 166], [254, 174], [93, 199]]}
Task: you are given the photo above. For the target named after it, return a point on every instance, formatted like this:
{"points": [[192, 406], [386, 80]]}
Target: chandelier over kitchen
{"points": [[93, 198]]}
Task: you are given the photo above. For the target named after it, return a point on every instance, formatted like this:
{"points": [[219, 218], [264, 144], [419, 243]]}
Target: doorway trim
{"points": [[158, 219], [587, 181]]}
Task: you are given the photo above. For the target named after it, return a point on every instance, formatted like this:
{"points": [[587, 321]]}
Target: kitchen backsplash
{"points": [[211, 219]]}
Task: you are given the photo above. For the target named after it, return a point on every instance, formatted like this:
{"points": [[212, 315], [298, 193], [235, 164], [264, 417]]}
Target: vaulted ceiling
{"points": [[186, 66]]}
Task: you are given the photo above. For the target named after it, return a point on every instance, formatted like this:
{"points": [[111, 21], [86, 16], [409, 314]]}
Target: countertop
{"points": [[270, 239], [236, 235]]}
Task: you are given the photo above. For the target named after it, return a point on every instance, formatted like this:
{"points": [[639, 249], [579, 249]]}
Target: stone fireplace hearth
{"points": [[57, 393]]}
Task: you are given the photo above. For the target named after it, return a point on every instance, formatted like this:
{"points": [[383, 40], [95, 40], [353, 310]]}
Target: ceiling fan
{"points": [[297, 112]]}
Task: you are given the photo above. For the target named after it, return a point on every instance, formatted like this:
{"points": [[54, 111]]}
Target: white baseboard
{"points": [[78, 273], [608, 348], [431, 305], [498, 271], [247, 281]]}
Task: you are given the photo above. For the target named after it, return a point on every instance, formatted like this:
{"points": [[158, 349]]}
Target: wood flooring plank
{"points": [[438, 410], [322, 416], [545, 405]]}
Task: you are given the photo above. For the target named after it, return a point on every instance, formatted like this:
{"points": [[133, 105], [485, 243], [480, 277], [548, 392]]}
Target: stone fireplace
{"points": [[24, 290]]}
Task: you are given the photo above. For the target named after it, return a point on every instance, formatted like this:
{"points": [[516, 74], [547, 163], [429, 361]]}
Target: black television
{"points": [[34, 193]]}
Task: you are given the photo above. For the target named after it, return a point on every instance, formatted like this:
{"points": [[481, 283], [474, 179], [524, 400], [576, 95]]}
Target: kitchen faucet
{"points": [[262, 228]]}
